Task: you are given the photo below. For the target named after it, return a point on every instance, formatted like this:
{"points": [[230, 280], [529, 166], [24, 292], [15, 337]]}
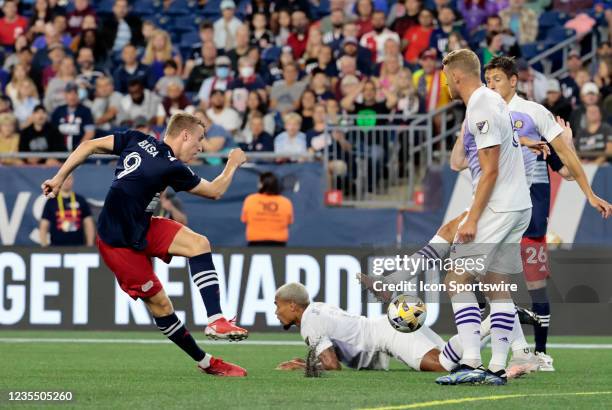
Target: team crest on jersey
{"points": [[518, 124], [483, 126]]}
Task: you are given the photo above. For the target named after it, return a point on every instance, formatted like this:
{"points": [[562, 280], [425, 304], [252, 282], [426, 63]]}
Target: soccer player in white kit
{"points": [[492, 229], [357, 341]]}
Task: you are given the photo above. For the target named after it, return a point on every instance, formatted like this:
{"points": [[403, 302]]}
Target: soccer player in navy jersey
{"points": [[129, 237]]}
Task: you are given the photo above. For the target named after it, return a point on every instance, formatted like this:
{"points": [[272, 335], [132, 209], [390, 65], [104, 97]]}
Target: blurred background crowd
{"points": [[270, 75]]}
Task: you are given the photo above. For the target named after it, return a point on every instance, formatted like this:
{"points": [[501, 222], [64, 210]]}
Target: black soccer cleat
{"points": [[527, 317]]}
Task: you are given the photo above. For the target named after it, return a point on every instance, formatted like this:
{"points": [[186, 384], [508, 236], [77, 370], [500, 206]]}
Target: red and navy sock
{"points": [[541, 307], [174, 330], [205, 278]]}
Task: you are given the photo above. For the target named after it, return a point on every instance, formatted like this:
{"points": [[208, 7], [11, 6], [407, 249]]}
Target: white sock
{"points": [[467, 319], [485, 326], [451, 354], [440, 245], [519, 343], [214, 317], [503, 313], [437, 248], [205, 362]]}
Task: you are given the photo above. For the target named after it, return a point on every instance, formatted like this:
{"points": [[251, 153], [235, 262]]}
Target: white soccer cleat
{"points": [[522, 365], [545, 362], [527, 360]]}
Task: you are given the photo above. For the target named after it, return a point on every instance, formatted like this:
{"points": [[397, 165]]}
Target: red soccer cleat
{"points": [[220, 368], [225, 329]]}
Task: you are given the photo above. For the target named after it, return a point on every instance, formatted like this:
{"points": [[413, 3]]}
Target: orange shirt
{"points": [[267, 217]]}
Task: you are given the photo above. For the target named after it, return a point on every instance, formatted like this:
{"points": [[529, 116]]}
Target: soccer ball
{"points": [[406, 313]]}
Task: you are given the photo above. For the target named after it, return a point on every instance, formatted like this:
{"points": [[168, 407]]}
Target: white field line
{"points": [[11, 340]]}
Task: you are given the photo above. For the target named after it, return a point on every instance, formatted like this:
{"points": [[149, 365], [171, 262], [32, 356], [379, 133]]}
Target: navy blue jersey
{"points": [[540, 194], [66, 220], [145, 168]]}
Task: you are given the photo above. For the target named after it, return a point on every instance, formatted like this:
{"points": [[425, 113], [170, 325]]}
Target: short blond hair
{"points": [[7, 118], [464, 60], [293, 116], [293, 292], [182, 121]]}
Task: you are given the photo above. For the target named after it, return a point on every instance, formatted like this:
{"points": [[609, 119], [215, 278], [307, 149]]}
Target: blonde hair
{"points": [[182, 121], [293, 116], [9, 119], [149, 55], [33, 90], [293, 292], [464, 60]]}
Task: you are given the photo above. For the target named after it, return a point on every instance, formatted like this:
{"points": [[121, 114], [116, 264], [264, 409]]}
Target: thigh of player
{"points": [[167, 238], [182, 241], [507, 258], [411, 348], [534, 253], [133, 270]]}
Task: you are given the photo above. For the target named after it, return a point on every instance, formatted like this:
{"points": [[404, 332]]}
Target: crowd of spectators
{"points": [[268, 75]]}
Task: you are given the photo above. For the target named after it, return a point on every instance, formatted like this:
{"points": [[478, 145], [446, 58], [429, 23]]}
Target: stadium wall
{"points": [[446, 194], [71, 288]]}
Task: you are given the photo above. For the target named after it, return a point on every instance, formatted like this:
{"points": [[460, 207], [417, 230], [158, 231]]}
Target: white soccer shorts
{"points": [[408, 348], [496, 247]]}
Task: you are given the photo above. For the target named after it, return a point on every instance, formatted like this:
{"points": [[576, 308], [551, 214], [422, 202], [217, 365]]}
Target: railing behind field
{"points": [[378, 161]]}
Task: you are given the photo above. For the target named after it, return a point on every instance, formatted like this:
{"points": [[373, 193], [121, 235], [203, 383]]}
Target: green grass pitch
{"points": [[160, 376]]}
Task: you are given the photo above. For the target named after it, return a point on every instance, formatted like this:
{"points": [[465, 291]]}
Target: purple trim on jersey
{"points": [[539, 192], [471, 153], [525, 126]]}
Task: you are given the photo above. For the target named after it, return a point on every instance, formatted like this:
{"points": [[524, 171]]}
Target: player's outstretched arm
{"points": [[216, 188], [103, 145], [570, 160]]}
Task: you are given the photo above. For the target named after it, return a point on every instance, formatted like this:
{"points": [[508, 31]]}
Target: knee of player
{"points": [[199, 245], [446, 232], [162, 307]]}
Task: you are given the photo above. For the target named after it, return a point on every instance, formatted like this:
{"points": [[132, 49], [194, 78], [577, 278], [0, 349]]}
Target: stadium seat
{"points": [[557, 34], [179, 8], [549, 19], [104, 6], [189, 38], [528, 51], [145, 8], [183, 24]]}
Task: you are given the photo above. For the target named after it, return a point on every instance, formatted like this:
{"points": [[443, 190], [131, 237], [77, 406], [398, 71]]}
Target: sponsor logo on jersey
{"points": [[483, 126]]}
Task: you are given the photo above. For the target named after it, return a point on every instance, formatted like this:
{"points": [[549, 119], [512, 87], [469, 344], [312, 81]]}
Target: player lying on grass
{"points": [[357, 341], [129, 237]]}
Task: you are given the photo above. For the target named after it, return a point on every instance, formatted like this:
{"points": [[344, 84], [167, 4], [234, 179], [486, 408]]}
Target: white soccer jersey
{"points": [[489, 123], [534, 121], [326, 326], [364, 343]]}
